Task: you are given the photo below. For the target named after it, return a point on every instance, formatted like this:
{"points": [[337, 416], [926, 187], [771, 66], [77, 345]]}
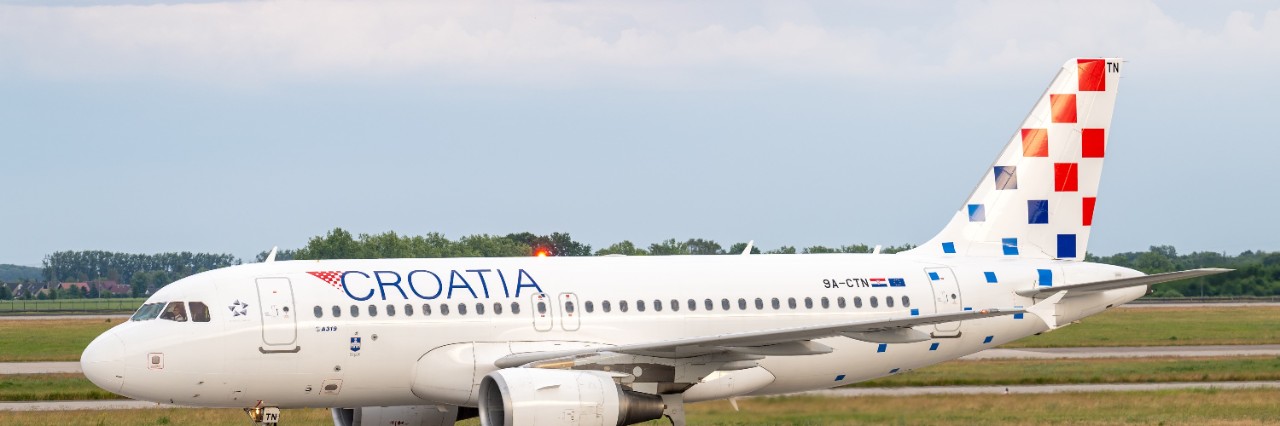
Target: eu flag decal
{"points": [[897, 282]]}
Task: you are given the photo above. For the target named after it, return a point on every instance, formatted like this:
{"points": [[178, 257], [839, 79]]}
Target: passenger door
{"points": [[279, 316], [946, 297]]}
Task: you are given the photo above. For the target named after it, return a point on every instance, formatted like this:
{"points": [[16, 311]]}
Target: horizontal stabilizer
{"points": [[1078, 289]]}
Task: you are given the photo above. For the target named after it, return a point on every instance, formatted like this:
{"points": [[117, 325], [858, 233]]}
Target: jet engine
{"points": [[532, 396]]}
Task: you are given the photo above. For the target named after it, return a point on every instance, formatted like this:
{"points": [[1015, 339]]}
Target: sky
{"points": [[232, 127]]}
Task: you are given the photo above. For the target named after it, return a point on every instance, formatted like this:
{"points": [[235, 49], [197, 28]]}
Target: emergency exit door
{"points": [[541, 312], [569, 315]]}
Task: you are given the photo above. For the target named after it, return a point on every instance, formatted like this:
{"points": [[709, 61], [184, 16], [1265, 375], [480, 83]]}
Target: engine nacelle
{"points": [[532, 396]]}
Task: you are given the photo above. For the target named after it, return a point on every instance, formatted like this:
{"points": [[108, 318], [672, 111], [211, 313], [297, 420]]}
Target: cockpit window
{"points": [[176, 311], [147, 311], [199, 312]]}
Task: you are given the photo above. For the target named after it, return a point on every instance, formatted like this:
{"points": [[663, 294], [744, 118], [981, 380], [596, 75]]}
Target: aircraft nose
{"points": [[103, 362]]}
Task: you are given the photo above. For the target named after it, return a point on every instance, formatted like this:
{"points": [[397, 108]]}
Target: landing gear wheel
{"points": [[263, 415]]}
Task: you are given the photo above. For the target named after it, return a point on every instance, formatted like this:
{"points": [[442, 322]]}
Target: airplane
{"points": [[617, 340]]}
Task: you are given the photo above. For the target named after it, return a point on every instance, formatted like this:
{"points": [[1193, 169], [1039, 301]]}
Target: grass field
{"points": [[1076, 371], [50, 387], [98, 306], [1167, 327], [1184, 407], [49, 340]]}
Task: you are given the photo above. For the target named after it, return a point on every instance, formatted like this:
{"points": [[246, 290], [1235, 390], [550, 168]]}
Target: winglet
{"points": [[271, 257], [1047, 310], [747, 250]]}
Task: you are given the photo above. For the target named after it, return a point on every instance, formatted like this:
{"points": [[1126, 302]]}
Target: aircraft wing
{"points": [[1077, 289], [783, 341]]}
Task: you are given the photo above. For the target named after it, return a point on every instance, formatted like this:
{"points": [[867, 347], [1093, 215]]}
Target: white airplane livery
{"points": [[617, 340]]}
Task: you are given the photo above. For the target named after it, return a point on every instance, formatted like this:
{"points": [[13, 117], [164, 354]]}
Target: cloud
{"points": [[531, 42]]}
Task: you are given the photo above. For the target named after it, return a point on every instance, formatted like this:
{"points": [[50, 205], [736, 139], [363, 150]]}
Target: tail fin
{"points": [[1037, 199]]}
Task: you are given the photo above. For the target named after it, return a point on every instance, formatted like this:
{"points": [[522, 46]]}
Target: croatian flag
{"points": [[879, 282]]}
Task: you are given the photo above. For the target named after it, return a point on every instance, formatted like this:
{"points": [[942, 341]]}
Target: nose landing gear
{"points": [[263, 415]]}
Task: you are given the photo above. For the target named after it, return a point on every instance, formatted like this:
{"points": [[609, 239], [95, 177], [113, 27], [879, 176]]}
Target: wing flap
{"points": [[696, 346]]}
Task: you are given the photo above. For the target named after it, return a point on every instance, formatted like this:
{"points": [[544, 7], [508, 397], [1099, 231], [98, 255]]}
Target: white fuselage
{"points": [[287, 347]]}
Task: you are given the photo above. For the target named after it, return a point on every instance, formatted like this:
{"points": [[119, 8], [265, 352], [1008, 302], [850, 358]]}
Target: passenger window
{"points": [[906, 302], [444, 309], [497, 308], [408, 310], [622, 306], [391, 310], [319, 312], [426, 310], [200, 311], [857, 302], [590, 306], [693, 306], [176, 311], [568, 307], [515, 307], [742, 304], [373, 310], [724, 304], [888, 301], [791, 302], [640, 305], [826, 303], [605, 306], [657, 306], [479, 309], [776, 304], [675, 305], [875, 303], [337, 311], [759, 304], [355, 311], [840, 302], [708, 304], [808, 303], [542, 308]]}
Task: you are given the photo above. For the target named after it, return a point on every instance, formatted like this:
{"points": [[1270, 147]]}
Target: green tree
{"points": [[626, 248], [701, 246], [5, 293], [337, 244], [669, 247], [737, 248], [783, 250]]}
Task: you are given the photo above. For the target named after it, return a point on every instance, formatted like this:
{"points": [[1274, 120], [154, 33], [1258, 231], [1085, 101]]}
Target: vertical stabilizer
{"points": [[1037, 199]]}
